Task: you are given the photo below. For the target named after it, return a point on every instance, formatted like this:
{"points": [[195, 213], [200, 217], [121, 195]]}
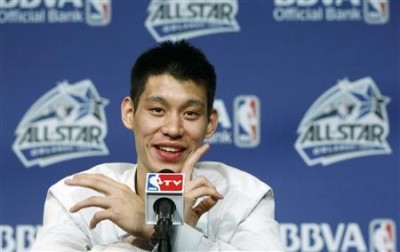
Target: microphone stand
{"points": [[164, 244], [165, 208]]}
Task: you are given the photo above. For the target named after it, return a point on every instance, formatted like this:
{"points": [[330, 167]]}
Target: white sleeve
{"points": [[123, 245], [59, 231], [258, 231]]}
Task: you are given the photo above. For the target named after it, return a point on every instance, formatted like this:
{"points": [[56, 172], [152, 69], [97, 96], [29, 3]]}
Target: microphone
{"points": [[164, 197]]}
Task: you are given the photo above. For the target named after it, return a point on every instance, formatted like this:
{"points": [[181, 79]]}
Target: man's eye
{"points": [[191, 114], [157, 110]]}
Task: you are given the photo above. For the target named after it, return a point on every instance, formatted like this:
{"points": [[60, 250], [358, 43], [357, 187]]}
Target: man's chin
{"points": [[159, 166]]}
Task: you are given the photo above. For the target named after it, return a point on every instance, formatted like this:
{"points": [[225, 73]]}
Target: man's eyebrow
{"points": [[196, 102], [190, 102], [155, 99]]}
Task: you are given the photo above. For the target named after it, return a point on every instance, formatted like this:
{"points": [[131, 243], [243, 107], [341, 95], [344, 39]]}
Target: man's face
{"points": [[169, 123]]}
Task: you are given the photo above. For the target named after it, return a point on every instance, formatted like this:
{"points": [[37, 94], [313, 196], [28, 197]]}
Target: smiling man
{"points": [[170, 112]]}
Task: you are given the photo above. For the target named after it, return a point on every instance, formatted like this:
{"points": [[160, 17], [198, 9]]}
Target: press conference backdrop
{"points": [[308, 96]]}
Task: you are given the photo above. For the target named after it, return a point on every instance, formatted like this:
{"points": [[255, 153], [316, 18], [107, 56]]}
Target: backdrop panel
{"points": [[308, 95]]}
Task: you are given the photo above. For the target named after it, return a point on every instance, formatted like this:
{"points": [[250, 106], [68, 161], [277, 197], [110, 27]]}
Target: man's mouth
{"points": [[170, 149], [169, 153]]}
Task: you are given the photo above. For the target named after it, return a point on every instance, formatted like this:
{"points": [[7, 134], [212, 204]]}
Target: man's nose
{"points": [[173, 126]]}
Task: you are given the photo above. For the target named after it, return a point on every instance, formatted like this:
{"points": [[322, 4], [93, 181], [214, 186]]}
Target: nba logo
{"points": [[98, 12], [382, 233], [153, 182], [376, 11], [247, 121]]}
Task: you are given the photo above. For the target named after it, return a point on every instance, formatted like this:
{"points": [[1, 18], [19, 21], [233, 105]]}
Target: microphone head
{"points": [[164, 201], [165, 208], [166, 170]]}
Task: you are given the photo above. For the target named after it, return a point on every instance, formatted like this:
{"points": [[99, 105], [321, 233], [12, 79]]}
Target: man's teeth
{"points": [[169, 149]]}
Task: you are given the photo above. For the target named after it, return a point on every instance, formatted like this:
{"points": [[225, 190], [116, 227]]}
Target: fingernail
{"points": [[220, 196]]}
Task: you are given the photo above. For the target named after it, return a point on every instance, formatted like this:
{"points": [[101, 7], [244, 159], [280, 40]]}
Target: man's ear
{"points": [[212, 123], [127, 112]]}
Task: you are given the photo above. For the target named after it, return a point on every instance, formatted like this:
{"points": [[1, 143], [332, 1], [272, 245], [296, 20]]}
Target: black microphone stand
{"points": [[164, 244], [165, 208]]}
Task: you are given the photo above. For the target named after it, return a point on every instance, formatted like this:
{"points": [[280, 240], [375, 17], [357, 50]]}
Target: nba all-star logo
{"points": [[348, 121], [176, 19], [67, 122]]}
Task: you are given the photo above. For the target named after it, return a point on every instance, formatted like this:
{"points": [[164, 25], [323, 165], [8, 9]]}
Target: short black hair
{"points": [[181, 60]]}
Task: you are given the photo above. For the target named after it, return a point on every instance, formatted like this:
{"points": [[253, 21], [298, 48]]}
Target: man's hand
{"points": [[121, 205], [198, 188], [125, 208]]}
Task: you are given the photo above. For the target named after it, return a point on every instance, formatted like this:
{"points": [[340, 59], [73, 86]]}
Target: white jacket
{"points": [[243, 220]]}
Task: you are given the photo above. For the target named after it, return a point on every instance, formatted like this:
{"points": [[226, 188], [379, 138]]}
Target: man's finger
{"points": [[93, 201], [96, 182], [199, 182], [204, 192], [205, 205], [192, 160], [99, 216]]}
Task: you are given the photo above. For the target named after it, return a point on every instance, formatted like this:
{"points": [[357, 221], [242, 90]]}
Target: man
{"points": [[170, 113]]}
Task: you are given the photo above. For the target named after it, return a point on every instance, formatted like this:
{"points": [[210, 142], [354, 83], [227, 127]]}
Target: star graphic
{"points": [[371, 102], [60, 112], [90, 104]]}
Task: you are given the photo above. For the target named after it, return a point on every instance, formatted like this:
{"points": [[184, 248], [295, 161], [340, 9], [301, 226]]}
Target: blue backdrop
{"points": [[308, 95]]}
